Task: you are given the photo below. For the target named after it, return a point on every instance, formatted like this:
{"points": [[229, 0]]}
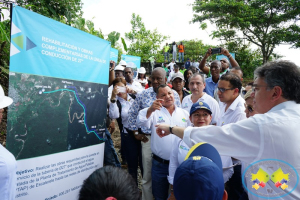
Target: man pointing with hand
{"points": [[162, 110]]}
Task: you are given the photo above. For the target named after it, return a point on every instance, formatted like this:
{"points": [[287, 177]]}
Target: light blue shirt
{"points": [[210, 86]]}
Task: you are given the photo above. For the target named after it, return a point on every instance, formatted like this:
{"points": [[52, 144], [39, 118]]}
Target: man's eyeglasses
{"points": [[250, 109], [222, 90]]}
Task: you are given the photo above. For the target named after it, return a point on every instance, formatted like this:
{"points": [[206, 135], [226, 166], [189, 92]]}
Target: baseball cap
{"points": [[177, 75], [200, 176], [4, 100], [119, 67], [200, 105], [122, 62]]}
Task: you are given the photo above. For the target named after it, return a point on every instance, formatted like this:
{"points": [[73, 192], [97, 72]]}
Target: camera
{"points": [[216, 50]]}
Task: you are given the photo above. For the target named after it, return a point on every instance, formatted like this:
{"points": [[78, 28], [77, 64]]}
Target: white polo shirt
{"points": [[114, 112], [213, 104], [178, 154], [234, 113], [162, 146]]}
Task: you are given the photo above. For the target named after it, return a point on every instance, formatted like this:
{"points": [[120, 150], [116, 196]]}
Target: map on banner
{"points": [[61, 115]]}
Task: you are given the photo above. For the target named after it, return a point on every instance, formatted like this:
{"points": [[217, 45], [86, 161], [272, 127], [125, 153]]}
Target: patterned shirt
{"points": [[144, 100]]}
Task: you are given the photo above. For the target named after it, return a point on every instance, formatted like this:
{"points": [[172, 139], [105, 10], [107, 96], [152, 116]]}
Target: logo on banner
{"points": [[19, 41], [270, 178]]}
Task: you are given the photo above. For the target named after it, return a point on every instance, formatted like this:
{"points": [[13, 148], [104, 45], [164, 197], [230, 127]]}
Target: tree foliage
{"points": [[194, 49], [87, 26], [265, 23], [68, 9], [144, 43]]}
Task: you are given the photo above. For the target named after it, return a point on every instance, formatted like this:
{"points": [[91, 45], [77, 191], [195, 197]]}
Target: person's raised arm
{"points": [[163, 130], [232, 61], [111, 72], [156, 105], [202, 66]]}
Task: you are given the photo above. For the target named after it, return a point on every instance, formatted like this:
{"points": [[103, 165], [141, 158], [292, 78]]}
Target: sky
{"points": [[169, 17]]}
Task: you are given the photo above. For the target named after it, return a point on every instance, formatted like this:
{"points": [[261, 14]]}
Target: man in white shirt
{"points": [[196, 86], [271, 135], [232, 107], [171, 65], [162, 110], [130, 82]]}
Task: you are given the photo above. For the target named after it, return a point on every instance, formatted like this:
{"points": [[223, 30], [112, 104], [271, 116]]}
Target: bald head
{"points": [[160, 71], [158, 77]]}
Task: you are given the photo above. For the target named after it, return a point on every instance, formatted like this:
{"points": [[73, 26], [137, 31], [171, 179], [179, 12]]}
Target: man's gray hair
{"points": [[284, 74], [197, 74]]}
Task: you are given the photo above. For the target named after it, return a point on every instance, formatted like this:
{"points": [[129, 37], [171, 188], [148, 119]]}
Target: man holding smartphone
{"points": [[224, 61]]}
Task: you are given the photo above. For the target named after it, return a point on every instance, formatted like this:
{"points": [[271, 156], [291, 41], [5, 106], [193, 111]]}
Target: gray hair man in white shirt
{"points": [[271, 136]]}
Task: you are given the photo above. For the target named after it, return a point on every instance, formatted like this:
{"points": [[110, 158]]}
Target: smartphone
{"points": [[122, 89], [216, 51]]}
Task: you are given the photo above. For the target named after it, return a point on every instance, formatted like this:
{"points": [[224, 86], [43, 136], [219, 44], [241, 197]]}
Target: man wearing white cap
{"points": [[8, 164], [178, 85]]}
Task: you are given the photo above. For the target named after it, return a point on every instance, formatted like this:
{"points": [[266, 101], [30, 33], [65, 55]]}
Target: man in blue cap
{"points": [[200, 175]]}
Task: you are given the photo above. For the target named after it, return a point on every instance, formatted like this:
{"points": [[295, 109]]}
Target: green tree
{"points": [[265, 23], [195, 49], [144, 43], [69, 9], [87, 26]]}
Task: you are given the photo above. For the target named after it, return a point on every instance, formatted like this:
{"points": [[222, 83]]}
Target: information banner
{"points": [[114, 54], [132, 61], [58, 80]]}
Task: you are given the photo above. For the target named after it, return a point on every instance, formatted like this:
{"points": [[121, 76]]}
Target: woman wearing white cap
{"points": [[8, 164], [141, 77]]}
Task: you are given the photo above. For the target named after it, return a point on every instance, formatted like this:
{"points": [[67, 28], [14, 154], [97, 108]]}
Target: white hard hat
{"points": [[142, 70], [122, 62], [119, 67], [4, 100], [131, 65]]}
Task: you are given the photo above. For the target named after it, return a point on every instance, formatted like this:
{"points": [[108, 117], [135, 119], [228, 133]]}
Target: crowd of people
{"points": [[183, 120]]}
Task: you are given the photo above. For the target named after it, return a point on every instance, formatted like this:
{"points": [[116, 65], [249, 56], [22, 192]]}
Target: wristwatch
{"points": [[113, 100], [170, 128]]}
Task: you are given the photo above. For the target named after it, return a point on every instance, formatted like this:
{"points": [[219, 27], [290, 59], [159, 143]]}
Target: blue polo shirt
{"points": [[210, 86]]}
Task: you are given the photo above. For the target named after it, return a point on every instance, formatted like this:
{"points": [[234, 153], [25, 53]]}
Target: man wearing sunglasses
{"points": [[231, 103], [231, 111]]}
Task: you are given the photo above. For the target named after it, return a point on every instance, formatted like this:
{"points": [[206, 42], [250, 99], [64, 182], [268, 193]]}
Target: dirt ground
{"points": [[116, 137]]}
